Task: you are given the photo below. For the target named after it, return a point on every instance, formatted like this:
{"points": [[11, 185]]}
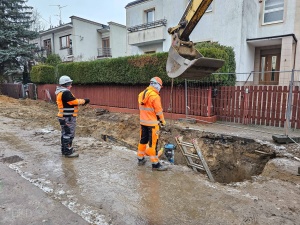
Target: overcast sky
{"points": [[100, 11]]}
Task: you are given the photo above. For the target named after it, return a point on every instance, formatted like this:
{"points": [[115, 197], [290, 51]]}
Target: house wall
{"points": [[118, 34], [230, 23], [39, 41], [55, 42], [135, 15], [171, 10], [63, 53], [85, 40]]}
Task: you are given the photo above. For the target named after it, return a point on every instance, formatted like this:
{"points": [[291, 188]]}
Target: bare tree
{"points": [[38, 23]]}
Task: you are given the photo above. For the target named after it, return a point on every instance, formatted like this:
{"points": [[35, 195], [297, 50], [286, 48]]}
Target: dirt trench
{"points": [[230, 158]]}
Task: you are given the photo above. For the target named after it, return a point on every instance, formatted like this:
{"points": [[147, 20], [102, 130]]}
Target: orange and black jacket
{"points": [[67, 103], [151, 111]]}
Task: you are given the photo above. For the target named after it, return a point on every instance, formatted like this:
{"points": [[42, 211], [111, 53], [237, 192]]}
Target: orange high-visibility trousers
{"points": [[148, 136]]}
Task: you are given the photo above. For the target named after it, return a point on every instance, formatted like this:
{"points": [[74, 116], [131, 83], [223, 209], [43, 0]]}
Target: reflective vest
{"points": [[67, 103], [151, 111]]}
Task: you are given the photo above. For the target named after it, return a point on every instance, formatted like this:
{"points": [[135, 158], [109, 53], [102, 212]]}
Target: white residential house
{"points": [[263, 33], [83, 40]]}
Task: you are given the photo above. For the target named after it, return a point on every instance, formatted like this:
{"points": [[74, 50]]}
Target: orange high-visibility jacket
{"points": [[151, 111], [67, 103]]}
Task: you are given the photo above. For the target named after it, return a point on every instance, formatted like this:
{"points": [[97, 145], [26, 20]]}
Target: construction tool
{"points": [[184, 60]]}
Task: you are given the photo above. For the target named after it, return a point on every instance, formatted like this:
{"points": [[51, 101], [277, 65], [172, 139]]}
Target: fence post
{"points": [[186, 98], [287, 123], [209, 100], [246, 106]]}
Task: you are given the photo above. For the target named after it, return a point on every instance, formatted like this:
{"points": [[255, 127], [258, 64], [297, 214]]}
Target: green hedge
{"points": [[43, 74], [123, 70], [135, 70], [217, 51]]}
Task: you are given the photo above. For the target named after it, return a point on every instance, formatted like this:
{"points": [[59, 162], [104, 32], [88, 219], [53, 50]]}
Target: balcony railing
{"points": [[70, 51], [146, 26], [104, 52]]}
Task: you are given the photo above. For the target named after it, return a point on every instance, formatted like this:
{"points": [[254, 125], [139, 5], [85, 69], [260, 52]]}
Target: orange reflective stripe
{"points": [[149, 123], [146, 109]]}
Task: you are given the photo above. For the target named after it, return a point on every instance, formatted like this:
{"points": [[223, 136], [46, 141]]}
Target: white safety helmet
{"points": [[64, 80]]}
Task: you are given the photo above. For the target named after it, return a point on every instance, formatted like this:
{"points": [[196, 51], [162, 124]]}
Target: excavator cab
{"points": [[184, 60]]}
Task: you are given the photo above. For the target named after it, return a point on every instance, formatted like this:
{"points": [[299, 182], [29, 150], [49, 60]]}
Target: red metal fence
{"points": [[19, 90], [117, 96], [259, 105], [12, 90]]}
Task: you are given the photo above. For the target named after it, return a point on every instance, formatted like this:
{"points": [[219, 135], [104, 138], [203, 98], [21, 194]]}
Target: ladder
{"points": [[190, 156]]}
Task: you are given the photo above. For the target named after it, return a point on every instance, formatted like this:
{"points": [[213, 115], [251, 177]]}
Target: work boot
{"points": [[70, 153], [159, 167], [142, 161], [73, 155]]}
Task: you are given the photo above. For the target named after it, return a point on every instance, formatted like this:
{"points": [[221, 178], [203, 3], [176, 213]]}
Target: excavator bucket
{"points": [[178, 66]]}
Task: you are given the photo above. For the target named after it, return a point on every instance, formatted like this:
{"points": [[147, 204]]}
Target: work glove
{"points": [[163, 123], [87, 101]]}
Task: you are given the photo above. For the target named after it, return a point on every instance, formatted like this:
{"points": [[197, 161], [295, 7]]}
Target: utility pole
{"points": [[59, 7]]}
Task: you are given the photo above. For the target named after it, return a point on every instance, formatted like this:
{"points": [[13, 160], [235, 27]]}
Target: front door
{"points": [[269, 67]]}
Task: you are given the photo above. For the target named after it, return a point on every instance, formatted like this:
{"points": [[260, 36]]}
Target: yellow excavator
{"points": [[184, 60]]}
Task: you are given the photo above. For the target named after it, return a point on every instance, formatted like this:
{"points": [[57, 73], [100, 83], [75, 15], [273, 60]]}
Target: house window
{"points": [[47, 46], [105, 43], [273, 11], [150, 52], [65, 41], [150, 15]]}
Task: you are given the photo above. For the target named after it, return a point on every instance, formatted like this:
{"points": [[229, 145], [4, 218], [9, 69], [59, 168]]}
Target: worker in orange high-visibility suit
{"points": [[67, 112], [151, 116]]}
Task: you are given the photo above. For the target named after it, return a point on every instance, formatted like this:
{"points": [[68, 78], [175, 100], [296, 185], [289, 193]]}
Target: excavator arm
{"points": [[184, 60]]}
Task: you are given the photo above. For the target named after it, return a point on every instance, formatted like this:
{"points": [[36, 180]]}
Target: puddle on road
{"points": [[11, 159]]}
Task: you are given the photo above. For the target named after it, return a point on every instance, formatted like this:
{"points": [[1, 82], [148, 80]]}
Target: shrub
{"points": [[217, 51], [53, 60], [43, 74]]}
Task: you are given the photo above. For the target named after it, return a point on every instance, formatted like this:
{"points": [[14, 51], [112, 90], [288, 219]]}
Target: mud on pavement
{"points": [[257, 180]]}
